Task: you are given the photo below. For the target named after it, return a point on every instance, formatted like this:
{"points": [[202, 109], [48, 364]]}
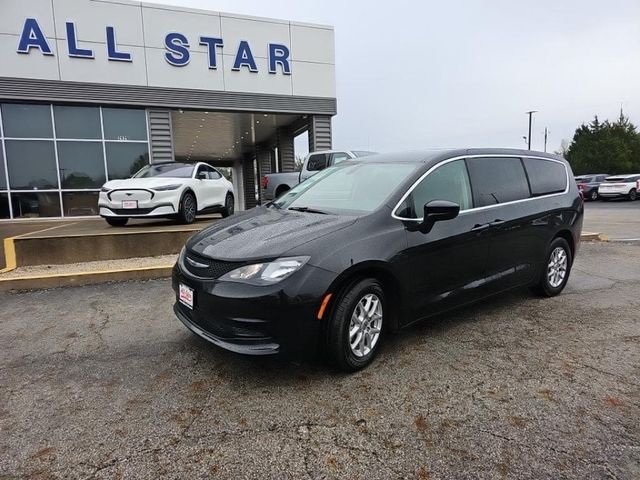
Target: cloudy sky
{"points": [[464, 72]]}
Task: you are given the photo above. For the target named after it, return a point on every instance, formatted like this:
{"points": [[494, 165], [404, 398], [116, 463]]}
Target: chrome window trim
{"points": [[486, 207]]}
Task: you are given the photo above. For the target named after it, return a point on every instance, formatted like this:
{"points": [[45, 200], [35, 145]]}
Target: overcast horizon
{"points": [[462, 74]]}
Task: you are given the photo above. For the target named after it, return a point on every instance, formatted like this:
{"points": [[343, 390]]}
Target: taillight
{"points": [[265, 182], [638, 185], [582, 185]]}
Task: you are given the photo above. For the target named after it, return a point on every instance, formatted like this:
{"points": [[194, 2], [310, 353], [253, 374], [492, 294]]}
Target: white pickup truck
{"points": [[275, 184]]}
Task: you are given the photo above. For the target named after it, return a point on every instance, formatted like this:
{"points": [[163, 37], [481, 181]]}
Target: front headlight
{"points": [[166, 188], [266, 273], [105, 189]]}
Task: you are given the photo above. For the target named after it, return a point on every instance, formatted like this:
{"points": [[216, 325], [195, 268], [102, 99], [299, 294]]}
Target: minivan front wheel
{"points": [[555, 270], [356, 325]]}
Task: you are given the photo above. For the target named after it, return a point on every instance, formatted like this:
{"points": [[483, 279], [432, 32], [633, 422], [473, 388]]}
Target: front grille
{"points": [[211, 268], [132, 211]]}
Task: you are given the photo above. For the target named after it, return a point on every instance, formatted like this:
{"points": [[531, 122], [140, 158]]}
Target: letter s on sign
{"points": [[178, 49]]}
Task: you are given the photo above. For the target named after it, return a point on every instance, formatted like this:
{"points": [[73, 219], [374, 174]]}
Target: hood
{"points": [[143, 182], [264, 233]]}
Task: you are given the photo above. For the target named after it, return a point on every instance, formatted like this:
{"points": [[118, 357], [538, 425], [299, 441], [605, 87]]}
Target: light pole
{"points": [[546, 134], [530, 113]]}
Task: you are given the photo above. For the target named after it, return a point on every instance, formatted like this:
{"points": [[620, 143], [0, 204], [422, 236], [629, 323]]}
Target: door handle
{"points": [[480, 227], [497, 223]]}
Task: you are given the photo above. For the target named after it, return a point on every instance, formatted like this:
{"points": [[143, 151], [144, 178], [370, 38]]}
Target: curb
{"points": [[592, 236], [84, 278]]}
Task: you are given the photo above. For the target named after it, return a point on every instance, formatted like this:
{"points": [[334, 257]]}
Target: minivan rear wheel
{"points": [[356, 325], [555, 270]]}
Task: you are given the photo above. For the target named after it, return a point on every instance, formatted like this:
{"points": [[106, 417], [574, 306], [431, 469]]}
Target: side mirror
{"points": [[437, 211], [201, 175]]}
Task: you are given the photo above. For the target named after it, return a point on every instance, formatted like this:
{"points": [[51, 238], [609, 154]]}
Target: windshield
{"points": [[172, 170], [351, 188]]}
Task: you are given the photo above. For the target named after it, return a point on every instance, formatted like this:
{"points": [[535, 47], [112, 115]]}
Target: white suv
{"points": [[169, 190], [620, 186]]}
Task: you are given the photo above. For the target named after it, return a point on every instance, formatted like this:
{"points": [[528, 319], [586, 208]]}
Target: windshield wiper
{"points": [[307, 209]]}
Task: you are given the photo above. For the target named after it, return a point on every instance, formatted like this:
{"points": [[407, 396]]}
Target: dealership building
{"points": [[92, 90]]}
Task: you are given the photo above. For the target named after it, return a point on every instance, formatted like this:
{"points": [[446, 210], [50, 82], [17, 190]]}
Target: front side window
{"points": [[317, 162], [497, 180], [347, 189], [547, 177], [214, 174], [448, 182]]}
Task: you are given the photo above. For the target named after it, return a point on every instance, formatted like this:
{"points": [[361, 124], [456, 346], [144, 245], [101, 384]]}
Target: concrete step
{"points": [[87, 241]]}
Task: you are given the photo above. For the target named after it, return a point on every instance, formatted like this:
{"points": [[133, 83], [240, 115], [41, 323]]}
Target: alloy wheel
{"points": [[365, 325], [594, 195], [557, 268]]}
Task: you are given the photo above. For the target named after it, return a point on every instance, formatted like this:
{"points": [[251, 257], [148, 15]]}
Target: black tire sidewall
{"points": [[338, 335], [544, 286], [226, 211], [183, 216]]}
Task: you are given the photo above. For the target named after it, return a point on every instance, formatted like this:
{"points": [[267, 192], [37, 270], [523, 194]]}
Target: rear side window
{"points": [[317, 162], [546, 176], [448, 182], [497, 180]]}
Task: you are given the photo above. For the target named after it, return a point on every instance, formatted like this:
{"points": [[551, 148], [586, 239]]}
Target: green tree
{"points": [[605, 147]]}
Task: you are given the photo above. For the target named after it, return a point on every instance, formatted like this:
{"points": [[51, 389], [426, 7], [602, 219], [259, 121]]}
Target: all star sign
{"points": [[176, 53]]}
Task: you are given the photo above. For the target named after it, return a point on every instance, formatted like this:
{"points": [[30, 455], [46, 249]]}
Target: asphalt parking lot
{"points": [[104, 382], [619, 220]]}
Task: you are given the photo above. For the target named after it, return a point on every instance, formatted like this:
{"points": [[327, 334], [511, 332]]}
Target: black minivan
{"points": [[364, 248]]}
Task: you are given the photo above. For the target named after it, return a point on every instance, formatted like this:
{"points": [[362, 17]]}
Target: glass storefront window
{"points": [[4, 205], [27, 121], [81, 164], [35, 204], [32, 164], [78, 204], [125, 159], [77, 122], [54, 156], [124, 124]]}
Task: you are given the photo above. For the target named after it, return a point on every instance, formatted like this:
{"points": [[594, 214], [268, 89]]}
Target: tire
{"points": [[117, 221], [633, 195], [229, 205], [553, 279], [188, 208], [593, 196], [356, 301]]}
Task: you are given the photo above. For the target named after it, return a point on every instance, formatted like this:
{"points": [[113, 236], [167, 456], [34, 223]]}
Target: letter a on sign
{"points": [[32, 37]]}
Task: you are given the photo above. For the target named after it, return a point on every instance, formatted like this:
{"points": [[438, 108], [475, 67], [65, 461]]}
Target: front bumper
{"points": [[256, 320], [149, 203]]}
